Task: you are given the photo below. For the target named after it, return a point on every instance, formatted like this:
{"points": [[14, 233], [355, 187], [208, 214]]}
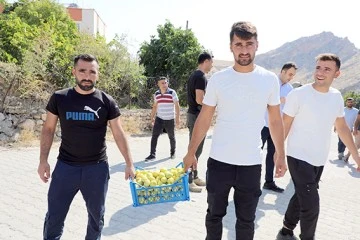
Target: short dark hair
{"points": [[243, 30], [204, 56], [296, 84], [86, 58], [289, 65], [329, 57], [162, 78]]}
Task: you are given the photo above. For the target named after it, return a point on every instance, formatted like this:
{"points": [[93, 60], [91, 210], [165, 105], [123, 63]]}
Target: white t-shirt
{"points": [[314, 115], [241, 100]]}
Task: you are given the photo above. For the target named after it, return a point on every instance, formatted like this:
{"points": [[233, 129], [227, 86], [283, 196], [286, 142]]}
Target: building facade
{"points": [[87, 20]]}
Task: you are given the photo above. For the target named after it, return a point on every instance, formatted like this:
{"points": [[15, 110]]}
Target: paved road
{"points": [[23, 200]]}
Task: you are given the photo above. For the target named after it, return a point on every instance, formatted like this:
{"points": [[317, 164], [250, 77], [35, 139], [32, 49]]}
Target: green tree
{"points": [[41, 39], [173, 53], [120, 75], [25, 22]]}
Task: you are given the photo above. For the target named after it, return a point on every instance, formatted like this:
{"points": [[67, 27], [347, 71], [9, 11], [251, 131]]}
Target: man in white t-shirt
{"points": [[235, 155], [309, 114], [350, 117]]}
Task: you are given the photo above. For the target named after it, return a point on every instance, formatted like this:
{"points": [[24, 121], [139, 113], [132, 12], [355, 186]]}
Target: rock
{"points": [[16, 137], [28, 124], [3, 137]]}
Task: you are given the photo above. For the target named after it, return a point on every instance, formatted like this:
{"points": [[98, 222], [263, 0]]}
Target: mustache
{"points": [[86, 80]]}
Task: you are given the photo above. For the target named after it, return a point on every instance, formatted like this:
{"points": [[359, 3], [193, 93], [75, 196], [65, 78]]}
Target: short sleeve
{"points": [[114, 110], [175, 96], [200, 83], [52, 105], [291, 107], [340, 109], [274, 98], [210, 97]]}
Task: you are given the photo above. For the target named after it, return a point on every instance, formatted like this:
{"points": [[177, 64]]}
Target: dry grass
{"points": [[131, 125], [27, 138]]}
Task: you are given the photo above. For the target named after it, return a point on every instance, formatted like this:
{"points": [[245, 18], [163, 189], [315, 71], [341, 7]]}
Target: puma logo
{"points": [[86, 108]]}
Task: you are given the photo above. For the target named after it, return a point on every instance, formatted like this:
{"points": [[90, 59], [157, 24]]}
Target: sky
{"points": [[277, 21]]}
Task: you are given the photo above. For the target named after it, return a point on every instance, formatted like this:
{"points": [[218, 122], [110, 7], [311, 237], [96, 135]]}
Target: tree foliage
{"points": [[20, 26], [173, 53], [120, 75], [9, 81], [39, 41]]}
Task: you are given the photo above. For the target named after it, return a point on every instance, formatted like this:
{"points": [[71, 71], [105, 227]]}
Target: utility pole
{"points": [[187, 24]]}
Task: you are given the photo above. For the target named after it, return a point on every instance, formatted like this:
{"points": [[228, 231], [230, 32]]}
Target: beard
{"points": [[244, 62], [85, 87]]}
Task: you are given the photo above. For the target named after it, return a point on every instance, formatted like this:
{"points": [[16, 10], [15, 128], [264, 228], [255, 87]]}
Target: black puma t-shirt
{"points": [[83, 122]]}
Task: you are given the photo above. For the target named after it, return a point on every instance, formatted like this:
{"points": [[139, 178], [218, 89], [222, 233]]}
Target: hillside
{"points": [[303, 52]]}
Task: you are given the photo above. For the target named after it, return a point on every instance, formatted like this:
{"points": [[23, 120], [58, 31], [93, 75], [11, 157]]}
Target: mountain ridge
{"points": [[303, 52]]}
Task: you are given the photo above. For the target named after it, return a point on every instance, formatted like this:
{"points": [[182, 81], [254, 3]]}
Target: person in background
{"points": [[165, 114], [82, 164], [287, 73], [356, 135], [196, 86], [350, 117]]}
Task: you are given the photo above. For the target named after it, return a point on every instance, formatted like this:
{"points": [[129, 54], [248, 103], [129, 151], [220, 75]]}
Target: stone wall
{"points": [[17, 122]]}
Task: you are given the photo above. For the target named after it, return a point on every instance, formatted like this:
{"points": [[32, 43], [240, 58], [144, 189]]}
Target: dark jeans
{"points": [[245, 180], [266, 137], [66, 181], [159, 126], [341, 146], [304, 206], [191, 119]]}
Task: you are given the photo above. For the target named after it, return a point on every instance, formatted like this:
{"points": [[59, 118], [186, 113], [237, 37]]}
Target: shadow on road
{"points": [[132, 217], [280, 206], [140, 164]]}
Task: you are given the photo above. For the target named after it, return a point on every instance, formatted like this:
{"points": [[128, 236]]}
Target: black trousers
{"points": [[191, 119], [269, 162], [341, 146], [304, 206], [159, 126], [245, 180]]}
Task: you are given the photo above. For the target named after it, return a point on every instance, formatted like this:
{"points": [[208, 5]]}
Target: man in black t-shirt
{"points": [[196, 86], [84, 113]]}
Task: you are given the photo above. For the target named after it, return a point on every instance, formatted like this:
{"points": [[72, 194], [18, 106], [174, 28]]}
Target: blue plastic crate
{"points": [[178, 191]]}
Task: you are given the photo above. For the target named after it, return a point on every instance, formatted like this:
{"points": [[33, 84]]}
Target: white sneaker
{"points": [[340, 156], [194, 188], [199, 182]]}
